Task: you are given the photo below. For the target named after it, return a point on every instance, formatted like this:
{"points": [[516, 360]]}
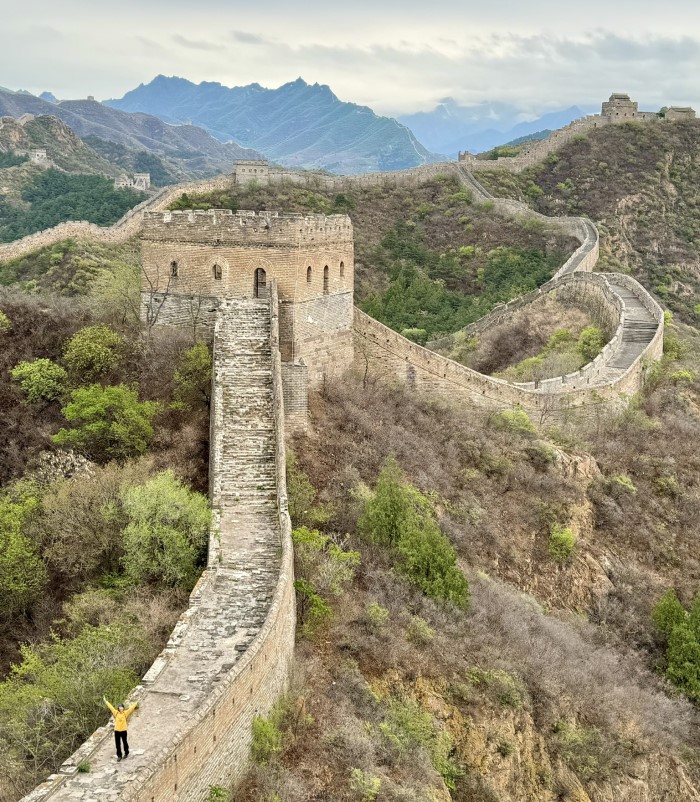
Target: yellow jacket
{"points": [[120, 716]]}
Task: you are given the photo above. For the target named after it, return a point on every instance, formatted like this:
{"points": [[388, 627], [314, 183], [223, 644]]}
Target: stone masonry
{"points": [[228, 658], [620, 108]]}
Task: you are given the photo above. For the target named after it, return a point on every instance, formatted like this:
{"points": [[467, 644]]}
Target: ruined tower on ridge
{"points": [[193, 261]]}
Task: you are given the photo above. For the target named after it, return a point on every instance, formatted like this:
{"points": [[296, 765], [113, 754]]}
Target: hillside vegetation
{"points": [[104, 521], [428, 259], [550, 684], [50, 197], [639, 183]]}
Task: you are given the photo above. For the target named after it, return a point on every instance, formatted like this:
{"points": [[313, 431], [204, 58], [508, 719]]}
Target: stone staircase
{"points": [[232, 601], [638, 330], [246, 485]]}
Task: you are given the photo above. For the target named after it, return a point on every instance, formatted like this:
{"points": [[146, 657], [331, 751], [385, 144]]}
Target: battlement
{"points": [[223, 226]]}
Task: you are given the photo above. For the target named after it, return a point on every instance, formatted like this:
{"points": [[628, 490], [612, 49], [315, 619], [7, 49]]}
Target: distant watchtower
{"points": [[194, 260], [247, 170]]}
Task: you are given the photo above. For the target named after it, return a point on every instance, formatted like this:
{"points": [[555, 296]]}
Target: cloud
{"points": [[250, 38], [196, 44]]}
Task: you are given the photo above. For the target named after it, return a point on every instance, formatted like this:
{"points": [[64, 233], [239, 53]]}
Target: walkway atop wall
{"points": [[638, 330], [231, 602]]}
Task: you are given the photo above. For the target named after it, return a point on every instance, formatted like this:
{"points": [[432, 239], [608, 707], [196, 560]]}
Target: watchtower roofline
{"points": [[216, 227]]}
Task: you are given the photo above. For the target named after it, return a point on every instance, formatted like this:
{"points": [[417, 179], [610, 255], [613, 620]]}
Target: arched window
{"points": [[342, 270], [260, 283], [217, 272], [308, 274], [173, 269], [325, 280]]}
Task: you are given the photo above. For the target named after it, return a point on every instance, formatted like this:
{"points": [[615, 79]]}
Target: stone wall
{"points": [[201, 695]]}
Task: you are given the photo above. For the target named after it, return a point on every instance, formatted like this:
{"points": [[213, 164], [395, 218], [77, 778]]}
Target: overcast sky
{"points": [[396, 56]]}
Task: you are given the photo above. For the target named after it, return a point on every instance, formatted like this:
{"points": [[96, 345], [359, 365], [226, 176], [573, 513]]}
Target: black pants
{"points": [[119, 739]]}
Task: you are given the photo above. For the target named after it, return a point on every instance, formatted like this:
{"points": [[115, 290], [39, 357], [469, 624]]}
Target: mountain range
{"points": [[185, 151], [298, 124], [449, 127]]}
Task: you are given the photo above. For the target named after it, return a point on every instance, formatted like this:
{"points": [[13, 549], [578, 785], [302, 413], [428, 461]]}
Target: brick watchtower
{"points": [[194, 260]]}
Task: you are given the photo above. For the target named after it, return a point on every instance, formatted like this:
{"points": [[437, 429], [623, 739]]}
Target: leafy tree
{"points": [[400, 516], [92, 352], [167, 532], [22, 573], [193, 378], [590, 342], [110, 422], [116, 289], [681, 629], [40, 380]]}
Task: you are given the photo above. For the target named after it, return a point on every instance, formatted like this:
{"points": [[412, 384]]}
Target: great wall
{"points": [[275, 296]]}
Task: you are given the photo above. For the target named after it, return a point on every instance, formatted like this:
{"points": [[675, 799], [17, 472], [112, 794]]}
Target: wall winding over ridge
{"points": [[611, 379], [196, 723]]}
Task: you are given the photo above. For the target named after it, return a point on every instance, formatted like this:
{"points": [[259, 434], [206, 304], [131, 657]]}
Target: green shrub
{"points": [[23, 576], [364, 785], [83, 767], [590, 342], [267, 740], [505, 748], [673, 347], [419, 336], [92, 352], [377, 615], [192, 378], [40, 380], [313, 610], [408, 726], [668, 613], [583, 749], [4, 323], [301, 495], [218, 794], [504, 688], [562, 542], [683, 377], [110, 422], [167, 531], [398, 515], [323, 569], [622, 482], [681, 630], [419, 631], [516, 420]]}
